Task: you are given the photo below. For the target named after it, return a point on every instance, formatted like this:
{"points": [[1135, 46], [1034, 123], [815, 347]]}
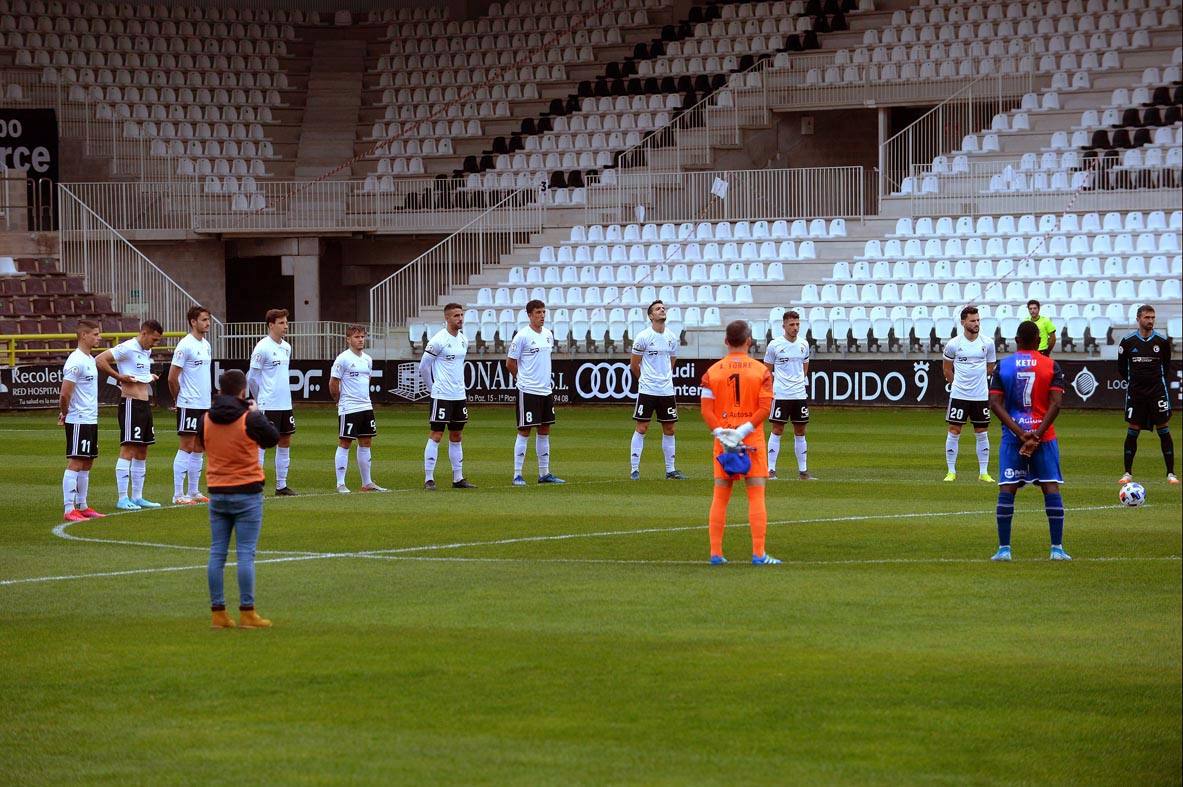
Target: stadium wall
{"points": [[1092, 384]]}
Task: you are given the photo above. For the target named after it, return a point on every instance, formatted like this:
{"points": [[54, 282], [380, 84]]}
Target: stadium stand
{"points": [[551, 99]]}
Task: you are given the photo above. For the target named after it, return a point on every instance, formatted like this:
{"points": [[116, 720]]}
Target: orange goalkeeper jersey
{"points": [[737, 387]]}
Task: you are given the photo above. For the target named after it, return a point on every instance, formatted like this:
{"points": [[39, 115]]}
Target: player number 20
{"points": [[956, 413]]}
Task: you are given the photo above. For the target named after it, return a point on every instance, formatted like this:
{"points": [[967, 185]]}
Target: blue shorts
{"points": [[1041, 466]]}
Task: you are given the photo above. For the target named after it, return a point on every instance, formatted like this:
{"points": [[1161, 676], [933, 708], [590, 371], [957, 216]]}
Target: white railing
{"points": [[427, 205], [942, 129], [1009, 186], [420, 283], [310, 340], [732, 195], [112, 266]]}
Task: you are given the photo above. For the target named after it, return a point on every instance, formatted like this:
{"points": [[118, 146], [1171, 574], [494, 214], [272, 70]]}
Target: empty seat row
{"points": [[780, 229], [1014, 291], [659, 273], [1029, 224], [685, 294], [931, 12], [1159, 266], [1166, 242], [747, 251]]}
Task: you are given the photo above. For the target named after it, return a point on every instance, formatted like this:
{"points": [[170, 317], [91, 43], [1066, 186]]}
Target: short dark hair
{"points": [[790, 314], [275, 314], [195, 313], [534, 304], [151, 326], [85, 326], [1027, 336], [649, 311], [1146, 307], [350, 330], [967, 311], [232, 382], [738, 332], [1035, 302], [450, 306]]}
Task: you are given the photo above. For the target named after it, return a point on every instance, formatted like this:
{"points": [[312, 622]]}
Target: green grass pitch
{"points": [[576, 635]]}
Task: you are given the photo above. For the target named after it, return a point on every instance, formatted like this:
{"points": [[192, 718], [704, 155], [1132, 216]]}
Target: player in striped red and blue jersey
{"points": [[1025, 394]]}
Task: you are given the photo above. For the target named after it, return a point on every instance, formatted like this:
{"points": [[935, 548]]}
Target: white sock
{"points": [[431, 453], [262, 456], [122, 474], [637, 447], [799, 448], [363, 464], [283, 460], [542, 448], [83, 488], [139, 469], [180, 467], [456, 457], [983, 445], [667, 448], [341, 464], [195, 461], [951, 451], [773, 451], [69, 489], [519, 454]]}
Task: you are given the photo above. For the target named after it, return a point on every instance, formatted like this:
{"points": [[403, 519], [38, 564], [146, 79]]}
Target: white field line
{"points": [[403, 552]]}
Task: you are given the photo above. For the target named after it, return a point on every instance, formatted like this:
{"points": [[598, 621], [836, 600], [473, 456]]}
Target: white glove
{"points": [[731, 440], [745, 429]]}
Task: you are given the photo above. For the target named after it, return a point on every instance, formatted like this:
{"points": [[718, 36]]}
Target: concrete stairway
{"points": [[334, 99]]}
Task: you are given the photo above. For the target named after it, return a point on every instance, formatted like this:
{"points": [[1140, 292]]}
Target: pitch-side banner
{"points": [[890, 383]]}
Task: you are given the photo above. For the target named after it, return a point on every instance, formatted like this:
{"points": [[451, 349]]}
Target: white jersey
{"points": [[354, 372], [657, 350], [80, 369], [132, 359], [969, 367], [271, 359], [192, 356], [445, 354], [532, 352], [788, 359]]}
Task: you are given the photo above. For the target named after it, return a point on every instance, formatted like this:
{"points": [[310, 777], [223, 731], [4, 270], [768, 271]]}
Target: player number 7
{"points": [[1028, 381]]}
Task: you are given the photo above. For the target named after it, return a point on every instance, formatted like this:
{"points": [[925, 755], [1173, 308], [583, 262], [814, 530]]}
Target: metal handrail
{"points": [[12, 339]]}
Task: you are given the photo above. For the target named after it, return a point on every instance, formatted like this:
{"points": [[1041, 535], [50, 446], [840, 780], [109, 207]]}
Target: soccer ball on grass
{"points": [[1132, 494]]}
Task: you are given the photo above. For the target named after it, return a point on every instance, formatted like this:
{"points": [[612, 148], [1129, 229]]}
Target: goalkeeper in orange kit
{"points": [[736, 398]]}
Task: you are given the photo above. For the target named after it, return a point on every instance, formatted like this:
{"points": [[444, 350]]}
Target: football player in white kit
{"points": [[190, 380], [130, 363], [271, 388], [79, 415], [529, 363], [442, 370], [652, 365], [349, 385], [968, 363], [788, 360]]}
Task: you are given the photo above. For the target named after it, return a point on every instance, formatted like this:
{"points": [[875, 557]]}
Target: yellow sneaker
{"points": [[986, 478], [221, 620], [950, 476], [249, 619]]}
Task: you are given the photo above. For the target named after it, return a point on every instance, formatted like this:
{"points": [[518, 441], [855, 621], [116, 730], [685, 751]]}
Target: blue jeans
{"points": [[242, 514]]}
